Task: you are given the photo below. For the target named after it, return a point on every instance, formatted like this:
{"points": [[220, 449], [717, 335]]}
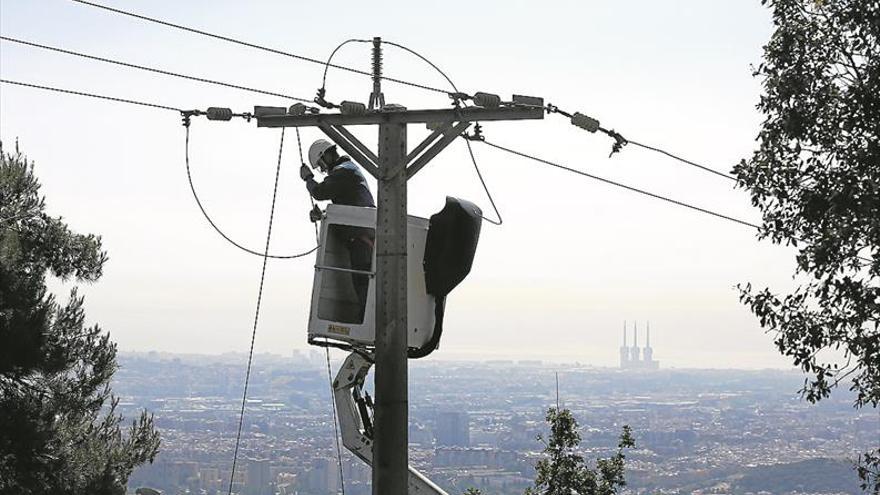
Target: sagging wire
{"points": [[247, 376], [335, 426], [322, 91], [214, 224], [478, 136], [459, 98]]}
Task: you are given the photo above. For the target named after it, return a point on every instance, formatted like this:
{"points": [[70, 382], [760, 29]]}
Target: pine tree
{"points": [[61, 433], [565, 472]]}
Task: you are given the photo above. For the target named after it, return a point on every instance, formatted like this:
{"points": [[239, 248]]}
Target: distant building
{"points": [[634, 357], [453, 429], [323, 477], [259, 481]]}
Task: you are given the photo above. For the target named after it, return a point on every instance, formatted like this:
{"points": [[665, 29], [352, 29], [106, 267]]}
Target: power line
{"points": [[251, 45], [592, 125], [91, 95], [470, 150], [683, 160], [485, 188], [333, 54], [188, 168], [624, 186], [219, 230], [302, 163], [335, 427], [247, 376], [150, 69]]}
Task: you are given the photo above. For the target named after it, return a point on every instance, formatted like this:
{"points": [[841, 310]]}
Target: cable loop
{"points": [[220, 231]]}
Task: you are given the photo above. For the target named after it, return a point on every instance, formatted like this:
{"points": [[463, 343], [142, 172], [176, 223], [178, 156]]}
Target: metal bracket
{"points": [[450, 132], [353, 147]]}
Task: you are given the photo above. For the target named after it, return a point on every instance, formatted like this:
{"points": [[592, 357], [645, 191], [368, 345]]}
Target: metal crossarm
{"points": [[470, 114]]}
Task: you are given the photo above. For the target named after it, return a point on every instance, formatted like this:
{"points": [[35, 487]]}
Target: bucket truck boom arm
{"points": [[353, 410]]}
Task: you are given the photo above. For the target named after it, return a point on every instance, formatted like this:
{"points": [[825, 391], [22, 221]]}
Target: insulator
{"points": [[487, 100], [217, 113], [352, 108], [377, 57], [585, 122], [297, 109]]}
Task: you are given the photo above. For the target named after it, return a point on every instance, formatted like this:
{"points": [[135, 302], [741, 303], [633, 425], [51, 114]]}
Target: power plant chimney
{"points": [[649, 352], [624, 350], [634, 352]]}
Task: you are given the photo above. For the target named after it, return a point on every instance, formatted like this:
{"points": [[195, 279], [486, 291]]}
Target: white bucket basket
{"points": [[336, 317]]}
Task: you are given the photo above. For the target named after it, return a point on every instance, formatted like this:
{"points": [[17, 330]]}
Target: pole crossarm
{"points": [[470, 114], [362, 147], [353, 147], [440, 128], [449, 132]]}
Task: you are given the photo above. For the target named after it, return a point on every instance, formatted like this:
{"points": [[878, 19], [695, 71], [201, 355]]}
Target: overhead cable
{"points": [[335, 427], [683, 160], [592, 125], [624, 186], [485, 188], [247, 375], [470, 151], [302, 163], [333, 54], [251, 45], [151, 69], [219, 230], [91, 95]]}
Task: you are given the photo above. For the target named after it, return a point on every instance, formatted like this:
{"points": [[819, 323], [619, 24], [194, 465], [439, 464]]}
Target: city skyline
{"points": [[695, 429]]}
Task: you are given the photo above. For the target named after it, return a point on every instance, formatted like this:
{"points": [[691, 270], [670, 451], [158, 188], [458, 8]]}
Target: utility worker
{"points": [[345, 184]]}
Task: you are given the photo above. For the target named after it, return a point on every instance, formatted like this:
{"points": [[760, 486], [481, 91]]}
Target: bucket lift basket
{"points": [[439, 251]]}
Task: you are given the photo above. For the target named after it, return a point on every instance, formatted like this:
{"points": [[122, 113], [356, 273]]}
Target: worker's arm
{"points": [[327, 189]]}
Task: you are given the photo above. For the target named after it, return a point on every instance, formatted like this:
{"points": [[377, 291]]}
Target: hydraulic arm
{"points": [[353, 408]]}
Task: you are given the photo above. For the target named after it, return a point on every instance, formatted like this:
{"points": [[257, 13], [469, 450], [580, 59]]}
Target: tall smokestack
{"points": [[634, 356], [624, 350], [649, 353]]}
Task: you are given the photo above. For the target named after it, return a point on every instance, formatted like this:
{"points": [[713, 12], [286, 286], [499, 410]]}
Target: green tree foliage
{"points": [[816, 178], [60, 432], [565, 472]]}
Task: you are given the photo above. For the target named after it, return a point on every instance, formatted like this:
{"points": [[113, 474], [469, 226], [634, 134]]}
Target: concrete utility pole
{"points": [[392, 167]]}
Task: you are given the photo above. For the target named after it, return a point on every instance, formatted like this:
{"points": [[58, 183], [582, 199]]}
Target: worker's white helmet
{"points": [[316, 150]]}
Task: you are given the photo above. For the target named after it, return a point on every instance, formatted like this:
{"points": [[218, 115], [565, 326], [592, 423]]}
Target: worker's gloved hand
{"points": [[305, 173]]}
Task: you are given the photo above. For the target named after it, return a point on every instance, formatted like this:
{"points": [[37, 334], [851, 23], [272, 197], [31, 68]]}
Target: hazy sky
{"points": [[574, 258]]}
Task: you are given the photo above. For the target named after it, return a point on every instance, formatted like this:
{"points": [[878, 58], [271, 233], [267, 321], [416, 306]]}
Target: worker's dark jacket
{"points": [[345, 184]]}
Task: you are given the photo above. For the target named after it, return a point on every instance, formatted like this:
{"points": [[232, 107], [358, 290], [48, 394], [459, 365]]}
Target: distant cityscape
{"points": [[475, 424]]}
